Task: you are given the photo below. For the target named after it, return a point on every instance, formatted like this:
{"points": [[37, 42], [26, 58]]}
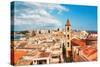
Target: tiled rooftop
{"points": [[17, 55], [78, 42]]}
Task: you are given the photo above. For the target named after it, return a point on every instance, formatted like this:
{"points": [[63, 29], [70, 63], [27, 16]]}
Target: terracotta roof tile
{"points": [[17, 55], [77, 42]]}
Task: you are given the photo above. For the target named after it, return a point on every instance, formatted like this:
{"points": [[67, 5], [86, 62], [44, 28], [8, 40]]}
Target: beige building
{"points": [[68, 38], [38, 57]]}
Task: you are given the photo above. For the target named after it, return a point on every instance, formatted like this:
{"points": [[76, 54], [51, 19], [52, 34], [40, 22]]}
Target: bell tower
{"points": [[68, 39]]}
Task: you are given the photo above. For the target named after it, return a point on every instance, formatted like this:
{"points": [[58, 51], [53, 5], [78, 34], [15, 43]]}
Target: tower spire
{"points": [[68, 23]]}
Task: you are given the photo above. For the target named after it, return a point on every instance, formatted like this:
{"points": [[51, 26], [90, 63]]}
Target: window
{"points": [[67, 28], [55, 56], [35, 61], [68, 44], [39, 32], [48, 31], [68, 36]]}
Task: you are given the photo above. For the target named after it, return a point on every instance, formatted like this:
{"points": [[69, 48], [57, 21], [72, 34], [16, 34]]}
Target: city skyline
{"points": [[29, 15], [44, 33]]}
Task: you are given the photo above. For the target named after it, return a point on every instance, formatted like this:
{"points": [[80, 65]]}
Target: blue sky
{"points": [[29, 16]]}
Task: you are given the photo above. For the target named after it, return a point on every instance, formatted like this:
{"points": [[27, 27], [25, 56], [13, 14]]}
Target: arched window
{"points": [[67, 44], [68, 36], [67, 28]]}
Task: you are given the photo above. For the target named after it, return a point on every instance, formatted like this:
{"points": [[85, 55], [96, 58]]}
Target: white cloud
{"points": [[50, 6], [37, 16], [37, 13]]}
